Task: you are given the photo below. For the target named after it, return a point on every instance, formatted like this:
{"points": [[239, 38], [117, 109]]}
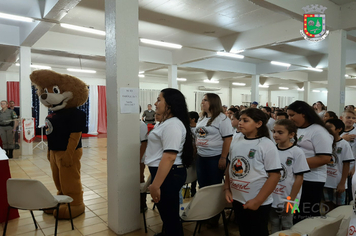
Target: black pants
{"points": [[252, 223], [168, 206], [309, 205], [349, 196]]}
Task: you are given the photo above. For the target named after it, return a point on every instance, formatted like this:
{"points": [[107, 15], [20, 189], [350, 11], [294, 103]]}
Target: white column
{"points": [[269, 99], [255, 90], [306, 93], [336, 71], [122, 64], [3, 86], [172, 76], [25, 94], [230, 96]]}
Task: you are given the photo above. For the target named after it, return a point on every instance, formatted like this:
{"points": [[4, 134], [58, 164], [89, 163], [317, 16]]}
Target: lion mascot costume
{"points": [[62, 94]]}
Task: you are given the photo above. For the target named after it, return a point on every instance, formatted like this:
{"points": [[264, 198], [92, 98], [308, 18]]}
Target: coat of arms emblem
{"points": [[314, 23]]}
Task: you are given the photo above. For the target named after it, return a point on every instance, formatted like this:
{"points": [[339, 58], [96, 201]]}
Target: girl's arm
{"points": [[225, 151], [266, 190], [318, 160], [345, 171], [296, 186], [164, 167], [228, 194]]}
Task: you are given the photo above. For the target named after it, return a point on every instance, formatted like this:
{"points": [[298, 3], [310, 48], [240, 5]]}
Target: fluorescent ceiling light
{"points": [[37, 66], [181, 79], [141, 75], [211, 81], [324, 91], [82, 71], [160, 43], [226, 54], [141, 72], [239, 84], [83, 29], [283, 88], [236, 51], [300, 89], [280, 63], [316, 91], [263, 86], [347, 75], [14, 17], [315, 69]]}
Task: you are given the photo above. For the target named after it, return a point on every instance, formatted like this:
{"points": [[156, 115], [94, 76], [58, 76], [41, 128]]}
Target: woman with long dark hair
{"points": [[317, 143], [169, 152]]}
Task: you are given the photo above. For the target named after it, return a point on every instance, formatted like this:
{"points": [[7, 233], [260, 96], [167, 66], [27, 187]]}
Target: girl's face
{"points": [[230, 114], [298, 119], [205, 105], [234, 122], [281, 134], [248, 126], [326, 116], [318, 106], [161, 105]]}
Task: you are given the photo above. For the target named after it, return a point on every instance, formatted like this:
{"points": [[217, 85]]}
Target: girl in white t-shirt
{"points": [[169, 151], [316, 141], [294, 165], [252, 174]]}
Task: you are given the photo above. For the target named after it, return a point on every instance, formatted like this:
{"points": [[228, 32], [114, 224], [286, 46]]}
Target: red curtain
{"points": [[13, 92], [102, 115]]}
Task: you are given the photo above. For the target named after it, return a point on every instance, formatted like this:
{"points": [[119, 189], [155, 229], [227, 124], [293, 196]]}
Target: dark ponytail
{"points": [[175, 101]]}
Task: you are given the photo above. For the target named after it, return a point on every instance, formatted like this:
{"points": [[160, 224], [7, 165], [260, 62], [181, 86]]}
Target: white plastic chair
{"points": [[207, 202], [29, 194]]}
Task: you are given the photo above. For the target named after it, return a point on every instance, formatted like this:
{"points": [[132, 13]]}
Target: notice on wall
{"points": [[28, 127], [129, 100]]}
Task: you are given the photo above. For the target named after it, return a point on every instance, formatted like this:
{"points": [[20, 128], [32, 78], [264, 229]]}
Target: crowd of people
{"points": [[279, 165]]}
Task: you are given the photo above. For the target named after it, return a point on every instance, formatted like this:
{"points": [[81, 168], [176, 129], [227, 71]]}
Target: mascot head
{"points": [[58, 91]]}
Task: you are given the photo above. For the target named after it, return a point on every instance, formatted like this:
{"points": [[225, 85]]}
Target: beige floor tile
{"points": [[64, 227], [93, 229], [88, 222], [97, 206], [107, 232]]}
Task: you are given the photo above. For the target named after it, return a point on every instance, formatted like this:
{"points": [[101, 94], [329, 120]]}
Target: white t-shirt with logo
{"points": [[143, 134], [342, 153], [237, 135], [293, 163], [209, 139], [168, 136], [250, 162], [353, 145], [315, 140]]}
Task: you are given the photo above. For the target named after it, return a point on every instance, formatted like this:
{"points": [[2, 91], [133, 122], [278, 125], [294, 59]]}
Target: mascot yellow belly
{"points": [[62, 94]]}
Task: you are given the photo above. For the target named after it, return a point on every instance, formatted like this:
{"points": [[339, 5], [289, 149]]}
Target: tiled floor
{"points": [[94, 179]]}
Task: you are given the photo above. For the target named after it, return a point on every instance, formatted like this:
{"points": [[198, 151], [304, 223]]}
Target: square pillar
{"points": [[255, 90], [172, 76]]}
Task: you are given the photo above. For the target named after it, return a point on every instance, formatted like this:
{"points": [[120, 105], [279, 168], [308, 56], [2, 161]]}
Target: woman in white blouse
{"points": [[169, 151]]}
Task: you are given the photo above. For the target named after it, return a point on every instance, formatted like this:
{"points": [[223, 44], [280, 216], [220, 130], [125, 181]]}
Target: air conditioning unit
{"points": [[209, 88]]}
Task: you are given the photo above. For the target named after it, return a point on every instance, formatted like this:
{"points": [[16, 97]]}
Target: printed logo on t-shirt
{"points": [[339, 150], [251, 154], [49, 127], [300, 138], [240, 167], [289, 161], [334, 161], [283, 173], [201, 132]]}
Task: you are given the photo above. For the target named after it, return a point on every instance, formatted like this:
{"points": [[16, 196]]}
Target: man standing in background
{"points": [[149, 115]]}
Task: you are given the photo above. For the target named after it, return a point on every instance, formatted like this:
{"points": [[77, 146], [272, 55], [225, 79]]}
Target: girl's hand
{"points": [[340, 188], [228, 195], [155, 193], [222, 163], [252, 204]]}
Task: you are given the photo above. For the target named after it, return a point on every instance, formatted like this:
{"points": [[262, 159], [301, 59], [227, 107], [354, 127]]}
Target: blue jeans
{"points": [[168, 206], [208, 171]]}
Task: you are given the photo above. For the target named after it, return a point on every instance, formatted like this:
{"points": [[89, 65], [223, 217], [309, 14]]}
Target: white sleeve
{"points": [[271, 159], [172, 138], [347, 156], [322, 142], [143, 132], [300, 164], [225, 128]]}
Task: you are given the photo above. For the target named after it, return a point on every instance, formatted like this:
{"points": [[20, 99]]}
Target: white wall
{"points": [[290, 93], [237, 95]]}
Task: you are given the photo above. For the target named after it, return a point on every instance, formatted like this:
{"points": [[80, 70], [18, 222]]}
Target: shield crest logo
{"points": [[251, 154], [314, 25]]}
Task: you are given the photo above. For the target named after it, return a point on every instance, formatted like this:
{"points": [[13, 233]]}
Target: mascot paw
{"points": [[49, 212], [64, 211]]}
